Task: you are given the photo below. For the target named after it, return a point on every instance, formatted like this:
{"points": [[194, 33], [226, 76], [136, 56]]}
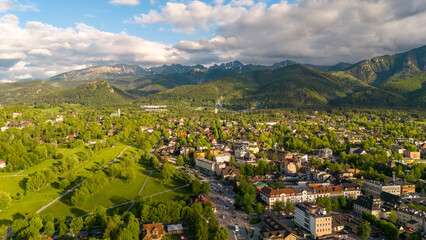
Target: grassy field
{"points": [[156, 185], [119, 191], [35, 200], [114, 192]]}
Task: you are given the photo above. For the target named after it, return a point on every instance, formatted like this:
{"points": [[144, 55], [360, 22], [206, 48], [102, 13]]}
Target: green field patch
{"points": [[156, 185], [117, 191], [33, 201], [114, 192], [11, 185], [30, 203], [175, 195]]}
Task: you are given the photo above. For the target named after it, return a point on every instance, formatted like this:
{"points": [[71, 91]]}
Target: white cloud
{"points": [[125, 2], [40, 50], [316, 31], [189, 18], [15, 5]]}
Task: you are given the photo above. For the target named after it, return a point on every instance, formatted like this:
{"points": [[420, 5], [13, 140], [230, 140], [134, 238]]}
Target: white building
{"points": [[220, 158], [205, 165], [375, 188]]}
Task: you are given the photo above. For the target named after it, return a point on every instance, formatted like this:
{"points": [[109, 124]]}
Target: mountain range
{"points": [[384, 81]]}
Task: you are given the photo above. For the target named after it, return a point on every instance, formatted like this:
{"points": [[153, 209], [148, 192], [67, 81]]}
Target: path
{"points": [[141, 190], [16, 174], [76, 186]]}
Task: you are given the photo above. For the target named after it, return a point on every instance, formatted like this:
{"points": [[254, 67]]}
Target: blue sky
{"points": [[43, 38]]}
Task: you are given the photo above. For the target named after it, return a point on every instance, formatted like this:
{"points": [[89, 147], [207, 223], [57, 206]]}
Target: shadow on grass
{"points": [[77, 211], [118, 210], [6, 222], [67, 199], [18, 216], [55, 185], [23, 183], [118, 199]]}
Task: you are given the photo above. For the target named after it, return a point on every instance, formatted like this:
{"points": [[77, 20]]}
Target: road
{"points": [[76, 186], [225, 212]]}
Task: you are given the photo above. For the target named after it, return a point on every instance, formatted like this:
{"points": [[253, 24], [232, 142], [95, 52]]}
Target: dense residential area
{"points": [[164, 174]]}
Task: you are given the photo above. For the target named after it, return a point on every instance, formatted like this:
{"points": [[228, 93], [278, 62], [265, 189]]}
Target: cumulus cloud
{"points": [[189, 18], [40, 50], [125, 2], [315, 31]]}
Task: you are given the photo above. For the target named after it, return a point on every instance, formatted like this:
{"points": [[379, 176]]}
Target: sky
{"points": [[43, 38]]}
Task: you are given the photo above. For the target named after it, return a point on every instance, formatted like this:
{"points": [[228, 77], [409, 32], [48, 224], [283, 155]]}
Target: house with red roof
{"points": [[2, 164]]}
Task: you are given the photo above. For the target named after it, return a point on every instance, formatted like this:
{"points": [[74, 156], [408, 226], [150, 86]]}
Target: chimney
{"points": [[393, 174]]}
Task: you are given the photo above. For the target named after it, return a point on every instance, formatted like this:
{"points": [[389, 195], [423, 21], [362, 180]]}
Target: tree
{"points": [[289, 207], [167, 170], [180, 161], [18, 225], [5, 201], [3, 232], [76, 225], [222, 234], [195, 186], [205, 188], [145, 213], [62, 227], [132, 225], [364, 230], [278, 206], [249, 209], [392, 216], [325, 202], [259, 209], [49, 228]]}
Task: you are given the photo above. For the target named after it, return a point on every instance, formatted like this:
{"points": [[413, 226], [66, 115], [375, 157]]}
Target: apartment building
{"points": [[314, 218]]}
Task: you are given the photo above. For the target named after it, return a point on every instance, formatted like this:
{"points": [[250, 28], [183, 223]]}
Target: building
{"points": [[351, 190], [323, 153], [335, 191], [288, 166], [274, 229], [407, 189], [199, 154], [375, 188], [370, 204], [270, 195], [2, 164], [411, 154], [174, 229], [222, 157], [412, 218], [314, 218], [153, 231], [228, 172], [205, 165]]}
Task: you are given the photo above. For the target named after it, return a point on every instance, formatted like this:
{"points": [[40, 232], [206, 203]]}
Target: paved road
{"points": [[76, 186], [226, 214]]}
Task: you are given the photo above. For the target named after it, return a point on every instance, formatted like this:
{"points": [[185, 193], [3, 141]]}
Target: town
{"points": [[269, 175]]}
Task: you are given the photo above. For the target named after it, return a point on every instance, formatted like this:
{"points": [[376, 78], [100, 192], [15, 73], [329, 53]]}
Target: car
{"points": [[236, 228], [223, 216]]}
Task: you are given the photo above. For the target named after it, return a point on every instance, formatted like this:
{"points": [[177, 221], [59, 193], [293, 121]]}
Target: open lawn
{"points": [[119, 191], [35, 200], [114, 192], [156, 184]]}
